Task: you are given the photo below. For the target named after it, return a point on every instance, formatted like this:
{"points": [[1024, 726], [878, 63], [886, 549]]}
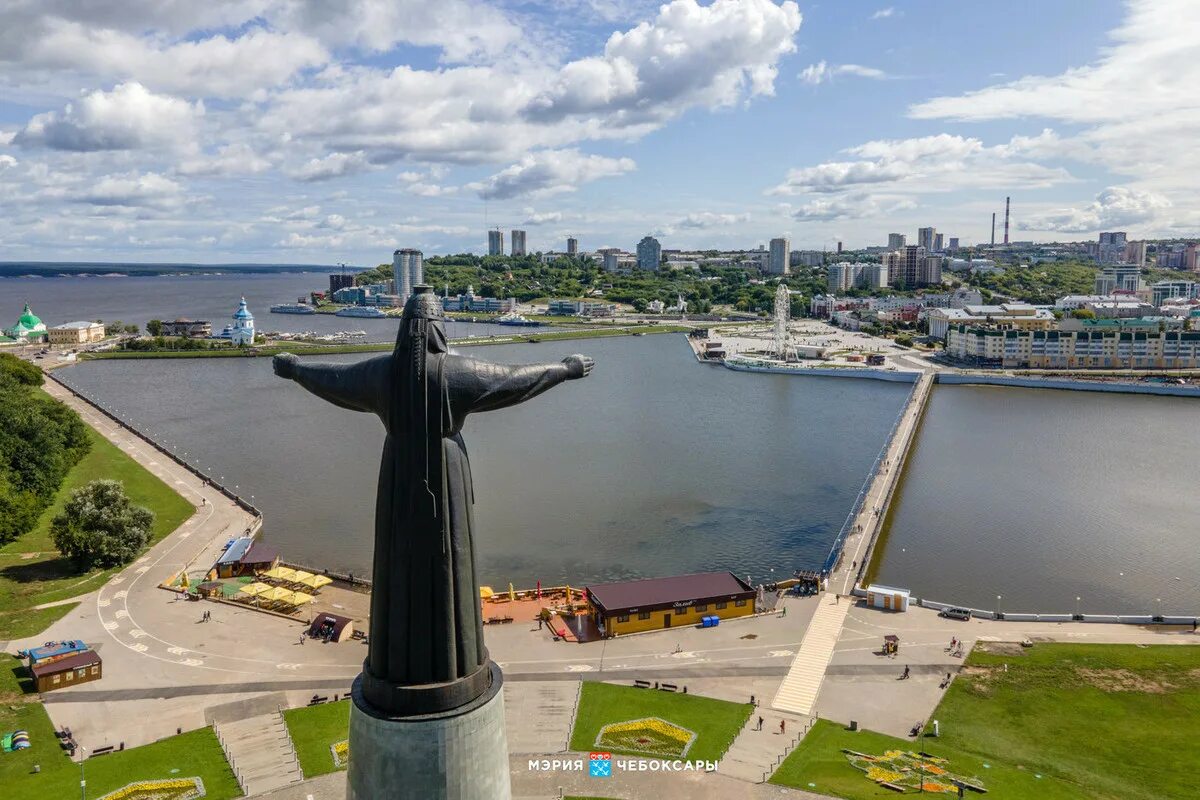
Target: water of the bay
{"points": [[134, 299], [1038, 496], [654, 465]]}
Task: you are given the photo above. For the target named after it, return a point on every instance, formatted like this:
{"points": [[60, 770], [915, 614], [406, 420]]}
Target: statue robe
{"points": [[426, 650]]}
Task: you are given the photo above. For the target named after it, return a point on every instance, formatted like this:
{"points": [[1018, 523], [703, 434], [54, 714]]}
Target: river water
{"points": [[1042, 496], [138, 298], [654, 465]]}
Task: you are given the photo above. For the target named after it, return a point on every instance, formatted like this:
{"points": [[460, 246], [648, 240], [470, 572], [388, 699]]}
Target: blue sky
{"points": [[337, 130]]}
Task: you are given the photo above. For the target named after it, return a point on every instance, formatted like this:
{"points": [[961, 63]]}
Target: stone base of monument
{"points": [[460, 754]]}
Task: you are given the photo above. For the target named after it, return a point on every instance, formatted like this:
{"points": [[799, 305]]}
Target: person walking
{"points": [[302, 640], [904, 677], [760, 723], [782, 726]]}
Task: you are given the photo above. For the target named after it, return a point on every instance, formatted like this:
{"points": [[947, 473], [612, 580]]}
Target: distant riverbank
{"points": [[304, 349]]}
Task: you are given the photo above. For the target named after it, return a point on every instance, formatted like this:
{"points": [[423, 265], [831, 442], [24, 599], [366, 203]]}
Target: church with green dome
{"points": [[28, 328]]}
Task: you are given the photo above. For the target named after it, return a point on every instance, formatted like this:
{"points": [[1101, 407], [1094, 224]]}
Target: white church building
{"points": [[242, 330]]}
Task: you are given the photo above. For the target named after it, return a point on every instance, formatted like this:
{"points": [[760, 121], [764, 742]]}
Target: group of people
{"points": [[206, 616], [782, 725], [956, 647]]}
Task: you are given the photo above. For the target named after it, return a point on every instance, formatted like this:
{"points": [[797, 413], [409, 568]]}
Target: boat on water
{"points": [[516, 320], [365, 312], [292, 308]]}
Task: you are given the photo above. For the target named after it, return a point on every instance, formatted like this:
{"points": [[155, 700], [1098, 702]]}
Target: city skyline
{"points": [[277, 132]]}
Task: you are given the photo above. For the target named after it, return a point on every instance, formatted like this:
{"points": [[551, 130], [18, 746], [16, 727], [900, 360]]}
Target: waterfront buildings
{"points": [[518, 243], [1018, 316], [72, 333], [779, 262], [472, 302], [28, 328], [408, 270], [649, 253], [1083, 349], [580, 308], [660, 603], [896, 241], [190, 328], [1119, 278], [495, 242], [340, 280], [572, 246]]}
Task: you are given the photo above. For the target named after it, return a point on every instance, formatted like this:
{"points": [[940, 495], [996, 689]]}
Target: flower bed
{"points": [[167, 789], [341, 752], [910, 771], [652, 736]]}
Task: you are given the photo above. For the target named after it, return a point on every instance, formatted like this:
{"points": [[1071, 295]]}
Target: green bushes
{"points": [[40, 439], [99, 527]]}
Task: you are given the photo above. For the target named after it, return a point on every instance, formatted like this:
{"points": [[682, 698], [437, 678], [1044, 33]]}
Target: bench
{"points": [[892, 786], [103, 751], [317, 700], [668, 687], [642, 684], [358, 635]]}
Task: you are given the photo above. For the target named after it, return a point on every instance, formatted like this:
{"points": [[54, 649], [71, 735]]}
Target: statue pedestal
{"points": [[456, 755]]}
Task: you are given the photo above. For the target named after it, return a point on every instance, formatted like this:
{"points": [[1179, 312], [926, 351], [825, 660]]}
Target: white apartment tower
{"points": [[896, 241], [518, 243], [781, 252], [408, 269]]}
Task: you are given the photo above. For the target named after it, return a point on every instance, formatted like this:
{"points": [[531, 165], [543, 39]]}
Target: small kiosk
{"points": [[889, 598]]}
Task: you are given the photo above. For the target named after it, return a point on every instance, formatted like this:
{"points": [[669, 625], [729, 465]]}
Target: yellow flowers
{"points": [[341, 752], [650, 735], [908, 770], [878, 774], [166, 789]]}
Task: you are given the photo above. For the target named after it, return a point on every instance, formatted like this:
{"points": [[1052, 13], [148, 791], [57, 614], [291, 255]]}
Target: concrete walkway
{"points": [[755, 754], [261, 753], [539, 714], [798, 692]]}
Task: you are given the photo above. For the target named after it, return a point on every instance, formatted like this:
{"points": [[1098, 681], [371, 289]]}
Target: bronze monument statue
{"points": [[425, 654]]}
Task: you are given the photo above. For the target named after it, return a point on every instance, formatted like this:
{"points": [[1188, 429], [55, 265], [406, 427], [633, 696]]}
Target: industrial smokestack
{"points": [[993, 229], [1006, 219]]}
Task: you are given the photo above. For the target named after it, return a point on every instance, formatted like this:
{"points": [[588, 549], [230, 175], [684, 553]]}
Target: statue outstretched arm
{"points": [[360, 386], [484, 386]]}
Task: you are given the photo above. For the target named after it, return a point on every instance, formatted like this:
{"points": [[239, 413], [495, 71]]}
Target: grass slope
{"points": [[313, 729], [196, 753], [47, 577], [715, 722], [819, 765], [1115, 719]]}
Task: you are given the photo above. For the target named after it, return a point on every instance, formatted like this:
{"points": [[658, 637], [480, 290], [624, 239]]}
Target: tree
{"points": [[1083, 313], [113, 328], [21, 371], [131, 329], [154, 327], [100, 527]]}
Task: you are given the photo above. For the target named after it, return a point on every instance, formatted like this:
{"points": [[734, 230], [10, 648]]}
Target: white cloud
{"points": [[709, 219], [851, 206], [132, 190], [230, 159], [822, 72], [927, 164], [884, 13], [334, 165], [129, 117], [1115, 207], [7, 161], [548, 172], [431, 189], [541, 217]]}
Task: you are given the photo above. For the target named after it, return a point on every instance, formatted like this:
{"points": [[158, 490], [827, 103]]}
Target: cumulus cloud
{"points": [[883, 13], [1115, 207], [822, 72], [132, 190], [541, 217], [709, 219], [127, 118], [334, 165], [548, 172], [926, 164], [7, 161], [230, 159], [852, 206]]}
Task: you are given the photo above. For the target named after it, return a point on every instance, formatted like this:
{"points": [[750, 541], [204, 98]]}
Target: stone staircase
{"points": [[755, 754], [260, 751], [540, 715], [798, 692]]}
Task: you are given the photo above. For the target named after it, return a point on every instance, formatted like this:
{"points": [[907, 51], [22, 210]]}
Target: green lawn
{"points": [[819, 765], [715, 722], [46, 577], [1114, 719], [1102, 722], [196, 753], [313, 729]]}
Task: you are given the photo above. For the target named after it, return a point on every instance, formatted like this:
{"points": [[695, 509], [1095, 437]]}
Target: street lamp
{"points": [[1077, 598], [998, 605], [82, 780]]}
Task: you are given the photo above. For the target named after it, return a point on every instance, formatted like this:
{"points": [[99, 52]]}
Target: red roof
{"points": [[85, 659], [666, 591]]}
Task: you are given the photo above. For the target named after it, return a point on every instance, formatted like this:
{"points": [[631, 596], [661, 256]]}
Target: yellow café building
{"points": [[658, 603]]}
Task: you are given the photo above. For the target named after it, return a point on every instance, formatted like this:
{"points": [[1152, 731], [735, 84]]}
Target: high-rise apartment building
{"points": [[1135, 253], [939, 242], [779, 262], [843, 276], [896, 241], [572, 246], [931, 271], [925, 238], [340, 280], [1113, 237], [953, 244], [649, 253], [518, 243], [495, 242], [906, 267], [408, 269]]}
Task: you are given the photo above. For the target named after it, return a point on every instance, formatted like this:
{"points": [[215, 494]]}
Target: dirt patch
{"points": [[1001, 648], [1122, 680]]}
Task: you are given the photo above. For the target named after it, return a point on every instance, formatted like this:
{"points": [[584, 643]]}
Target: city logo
{"points": [[600, 765]]}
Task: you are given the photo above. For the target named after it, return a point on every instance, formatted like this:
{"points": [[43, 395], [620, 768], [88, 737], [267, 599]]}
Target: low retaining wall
{"points": [[1123, 619], [1068, 384], [892, 376]]}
